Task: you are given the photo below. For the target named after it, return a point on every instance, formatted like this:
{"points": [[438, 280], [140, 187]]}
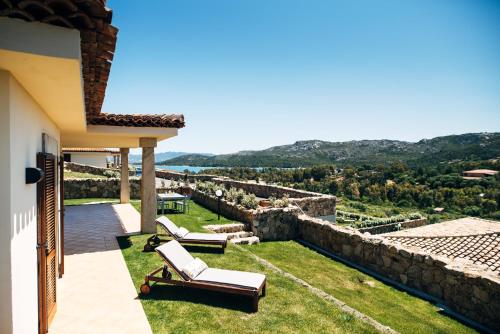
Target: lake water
{"points": [[192, 169]]}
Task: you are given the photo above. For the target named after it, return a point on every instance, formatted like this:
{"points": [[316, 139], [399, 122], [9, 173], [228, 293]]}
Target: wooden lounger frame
{"points": [[166, 278], [155, 240]]}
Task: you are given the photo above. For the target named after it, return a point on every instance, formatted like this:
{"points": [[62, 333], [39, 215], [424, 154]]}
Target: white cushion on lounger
{"points": [[181, 232], [194, 268], [175, 254], [231, 277], [205, 236], [167, 224]]}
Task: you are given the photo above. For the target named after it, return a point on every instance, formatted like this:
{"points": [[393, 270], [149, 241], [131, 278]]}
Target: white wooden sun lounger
{"points": [[177, 257]]}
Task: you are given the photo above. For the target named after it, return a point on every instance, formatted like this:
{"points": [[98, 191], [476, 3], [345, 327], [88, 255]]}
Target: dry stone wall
{"points": [[99, 188], [72, 166], [394, 226], [192, 178], [464, 287], [265, 190]]}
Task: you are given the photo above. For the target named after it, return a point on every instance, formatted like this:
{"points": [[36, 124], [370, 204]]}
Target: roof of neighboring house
{"points": [[89, 150], [481, 171], [472, 239], [98, 40]]}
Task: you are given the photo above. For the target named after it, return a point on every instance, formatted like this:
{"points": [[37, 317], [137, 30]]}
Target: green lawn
{"points": [[194, 220], [389, 306], [77, 175], [287, 307], [82, 201]]}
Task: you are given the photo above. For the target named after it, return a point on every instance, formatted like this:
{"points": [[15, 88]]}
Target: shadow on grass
{"points": [[199, 296], [124, 242]]}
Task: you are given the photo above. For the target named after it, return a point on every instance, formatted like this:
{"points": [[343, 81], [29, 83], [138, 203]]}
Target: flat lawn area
{"points": [[286, 308], [396, 309], [78, 175], [194, 220], [82, 201]]}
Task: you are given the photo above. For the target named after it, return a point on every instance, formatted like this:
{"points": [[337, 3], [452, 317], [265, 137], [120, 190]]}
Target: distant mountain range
{"points": [[470, 146], [162, 156]]}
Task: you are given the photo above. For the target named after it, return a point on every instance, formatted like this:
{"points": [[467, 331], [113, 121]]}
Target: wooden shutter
{"points": [[47, 240]]}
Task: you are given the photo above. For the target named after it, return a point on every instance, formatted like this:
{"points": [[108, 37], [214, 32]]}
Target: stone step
{"points": [[226, 228], [246, 241], [239, 235]]}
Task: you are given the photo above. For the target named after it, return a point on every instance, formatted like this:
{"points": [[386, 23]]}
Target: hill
{"points": [[162, 156], [470, 146]]}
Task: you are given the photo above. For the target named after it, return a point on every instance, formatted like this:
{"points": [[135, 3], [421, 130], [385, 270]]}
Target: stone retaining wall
{"points": [[177, 176], [227, 209], [74, 167], [266, 190], [99, 188], [393, 226], [265, 223], [464, 287]]}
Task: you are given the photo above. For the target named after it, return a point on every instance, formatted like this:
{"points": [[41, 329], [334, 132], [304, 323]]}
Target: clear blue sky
{"points": [[250, 74]]}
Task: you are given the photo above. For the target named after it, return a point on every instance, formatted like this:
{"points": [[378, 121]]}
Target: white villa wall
{"points": [[5, 227], [27, 124], [90, 159]]}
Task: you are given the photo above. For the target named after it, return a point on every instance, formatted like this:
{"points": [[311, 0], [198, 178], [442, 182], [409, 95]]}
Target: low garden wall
{"points": [[99, 188], [265, 223], [394, 226], [464, 287], [265, 190], [72, 166], [177, 176]]}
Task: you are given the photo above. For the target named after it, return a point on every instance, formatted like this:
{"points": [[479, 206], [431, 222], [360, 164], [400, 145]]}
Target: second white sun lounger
{"points": [[172, 230]]}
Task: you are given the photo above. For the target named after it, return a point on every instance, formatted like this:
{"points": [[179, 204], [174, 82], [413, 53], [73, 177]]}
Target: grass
{"points": [[77, 175], [82, 201], [388, 209], [194, 220], [287, 307], [397, 309]]}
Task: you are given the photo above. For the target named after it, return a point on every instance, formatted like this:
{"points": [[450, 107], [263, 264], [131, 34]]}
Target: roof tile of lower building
{"points": [[472, 239]]}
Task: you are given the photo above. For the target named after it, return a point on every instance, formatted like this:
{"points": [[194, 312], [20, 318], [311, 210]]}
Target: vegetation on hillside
{"points": [[399, 185], [467, 147]]}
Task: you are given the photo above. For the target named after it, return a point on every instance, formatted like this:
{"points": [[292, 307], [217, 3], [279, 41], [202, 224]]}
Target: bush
{"points": [[249, 201], [281, 202], [111, 174], [472, 210]]}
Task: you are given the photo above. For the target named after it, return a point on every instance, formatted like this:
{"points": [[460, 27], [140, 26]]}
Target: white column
{"points": [[124, 185], [148, 186]]}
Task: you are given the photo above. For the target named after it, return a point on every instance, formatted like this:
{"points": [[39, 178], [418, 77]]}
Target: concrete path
{"points": [[96, 294]]}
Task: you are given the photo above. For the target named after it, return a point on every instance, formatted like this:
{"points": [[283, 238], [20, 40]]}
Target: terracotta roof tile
{"points": [[164, 121], [98, 41], [98, 36]]}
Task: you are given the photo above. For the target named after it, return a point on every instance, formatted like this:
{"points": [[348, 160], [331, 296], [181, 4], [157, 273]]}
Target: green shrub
{"points": [[249, 201]]}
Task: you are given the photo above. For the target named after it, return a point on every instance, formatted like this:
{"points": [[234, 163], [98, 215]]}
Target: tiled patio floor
{"points": [[96, 294]]}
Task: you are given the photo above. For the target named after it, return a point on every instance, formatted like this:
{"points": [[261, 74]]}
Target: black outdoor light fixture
{"points": [[218, 193], [34, 175]]}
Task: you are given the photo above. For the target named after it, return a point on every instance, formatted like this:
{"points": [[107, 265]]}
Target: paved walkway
{"points": [[96, 294]]}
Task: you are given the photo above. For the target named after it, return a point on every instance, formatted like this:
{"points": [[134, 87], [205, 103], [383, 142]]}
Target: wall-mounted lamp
{"points": [[34, 175]]}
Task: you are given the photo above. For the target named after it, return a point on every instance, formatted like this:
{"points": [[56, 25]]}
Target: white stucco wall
{"points": [[90, 159], [5, 227], [27, 124]]}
